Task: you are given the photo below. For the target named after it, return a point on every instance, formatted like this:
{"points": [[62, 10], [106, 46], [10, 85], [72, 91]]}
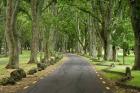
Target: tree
{"points": [[11, 34], [34, 42], [135, 18]]}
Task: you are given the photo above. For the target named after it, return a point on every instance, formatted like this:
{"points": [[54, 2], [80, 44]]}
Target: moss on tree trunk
{"points": [[135, 16], [11, 34], [35, 39]]}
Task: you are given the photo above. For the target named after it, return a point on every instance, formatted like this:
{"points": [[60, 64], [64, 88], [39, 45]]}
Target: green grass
{"points": [[108, 75], [24, 58], [111, 76], [101, 67], [120, 68], [129, 61], [136, 80]]}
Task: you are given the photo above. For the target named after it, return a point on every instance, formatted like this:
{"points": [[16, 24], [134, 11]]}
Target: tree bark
{"points": [[86, 39], [107, 45], [45, 45], [34, 43], [11, 35], [41, 44], [99, 52], [114, 54], [5, 52], [92, 40], [1, 45], [46, 53], [78, 34], [20, 46], [135, 17], [106, 14]]}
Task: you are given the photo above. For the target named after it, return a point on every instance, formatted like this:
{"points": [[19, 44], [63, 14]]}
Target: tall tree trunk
{"points": [[107, 46], [46, 53], [46, 37], [94, 50], [106, 14], [90, 36], [1, 45], [86, 42], [114, 53], [78, 34], [135, 10], [11, 35], [41, 44], [54, 32], [92, 39], [5, 47], [19, 46], [99, 52], [34, 43]]}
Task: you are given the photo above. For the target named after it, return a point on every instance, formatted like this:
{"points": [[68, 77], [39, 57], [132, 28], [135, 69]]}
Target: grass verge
{"points": [[113, 73]]}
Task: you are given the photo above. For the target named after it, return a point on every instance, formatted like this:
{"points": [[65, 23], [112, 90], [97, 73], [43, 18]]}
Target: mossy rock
{"points": [[7, 81], [128, 72], [32, 71], [40, 69], [15, 75], [22, 73], [18, 74], [52, 61], [41, 66]]}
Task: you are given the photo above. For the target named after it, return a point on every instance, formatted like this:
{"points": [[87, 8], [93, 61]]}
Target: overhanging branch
{"points": [[86, 11], [50, 3]]}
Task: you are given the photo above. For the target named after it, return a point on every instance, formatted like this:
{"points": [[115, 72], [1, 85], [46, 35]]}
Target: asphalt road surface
{"points": [[74, 76]]}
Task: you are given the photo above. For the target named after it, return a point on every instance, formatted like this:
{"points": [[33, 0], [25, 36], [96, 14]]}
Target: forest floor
{"points": [[31, 79]]}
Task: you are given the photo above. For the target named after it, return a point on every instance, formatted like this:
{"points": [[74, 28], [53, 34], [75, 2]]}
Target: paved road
{"points": [[74, 76]]}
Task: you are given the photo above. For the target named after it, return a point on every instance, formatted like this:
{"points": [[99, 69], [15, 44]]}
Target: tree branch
{"points": [[50, 3], [86, 11]]}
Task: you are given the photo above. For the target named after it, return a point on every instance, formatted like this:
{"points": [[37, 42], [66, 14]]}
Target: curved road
{"points": [[74, 76]]}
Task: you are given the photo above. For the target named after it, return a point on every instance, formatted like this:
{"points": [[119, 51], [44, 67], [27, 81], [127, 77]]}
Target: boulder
{"points": [[32, 71], [127, 75], [22, 73], [128, 72], [40, 69], [18, 74], [52, 60], [41, 66], [7, 81]]}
